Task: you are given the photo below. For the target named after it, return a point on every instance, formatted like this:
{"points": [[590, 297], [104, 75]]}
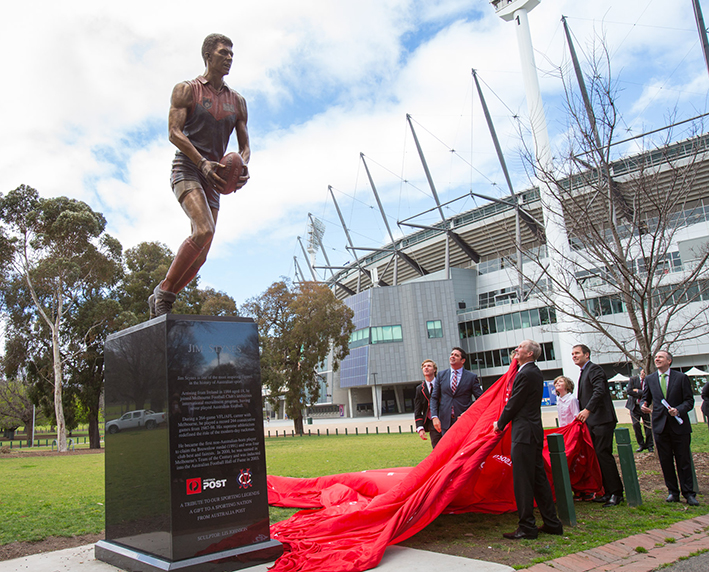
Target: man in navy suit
{"points": [[422, 399], [454, 390], [672, 438], [524, 411], [598, 412]]}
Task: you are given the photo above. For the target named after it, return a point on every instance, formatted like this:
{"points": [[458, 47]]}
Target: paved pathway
{"points": [[656, 549], [396, 559]]}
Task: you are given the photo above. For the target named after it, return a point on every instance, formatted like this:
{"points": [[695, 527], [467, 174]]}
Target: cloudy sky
{"points": [[87, 88]]}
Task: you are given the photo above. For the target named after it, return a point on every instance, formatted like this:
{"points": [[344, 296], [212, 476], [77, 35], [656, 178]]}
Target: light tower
{"points": [[316, 230], [555, 229]]}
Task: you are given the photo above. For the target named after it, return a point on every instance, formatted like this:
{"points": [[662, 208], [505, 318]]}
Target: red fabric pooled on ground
{"points": [[468, 471]]}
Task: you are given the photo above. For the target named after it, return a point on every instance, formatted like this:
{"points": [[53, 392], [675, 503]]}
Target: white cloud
{"points": [[89, 87]]}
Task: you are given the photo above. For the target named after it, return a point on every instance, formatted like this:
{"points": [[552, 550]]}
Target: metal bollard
{"points": [[627, 467], [562, 482]]}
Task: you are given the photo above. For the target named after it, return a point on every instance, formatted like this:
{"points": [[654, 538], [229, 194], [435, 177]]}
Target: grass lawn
{"points": [[63, 496], [50, 496]]}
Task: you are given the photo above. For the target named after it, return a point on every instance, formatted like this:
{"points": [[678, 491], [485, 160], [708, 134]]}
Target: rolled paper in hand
{"points": [[679, 419]]}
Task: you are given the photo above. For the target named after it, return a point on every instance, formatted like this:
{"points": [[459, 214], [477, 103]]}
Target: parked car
{"points": [[136, 419]]}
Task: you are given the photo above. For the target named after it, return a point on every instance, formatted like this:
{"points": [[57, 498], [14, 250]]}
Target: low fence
{"points": [[326, 432], [22, 443]]}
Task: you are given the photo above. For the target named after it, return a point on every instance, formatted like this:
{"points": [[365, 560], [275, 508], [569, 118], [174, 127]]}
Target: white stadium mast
{"points": [[555, 229]]}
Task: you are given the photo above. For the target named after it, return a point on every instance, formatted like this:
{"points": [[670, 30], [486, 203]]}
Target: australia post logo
{"points": [[198, 485]]}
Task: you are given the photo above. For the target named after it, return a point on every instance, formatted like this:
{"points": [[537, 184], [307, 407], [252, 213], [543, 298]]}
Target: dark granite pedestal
{"points": [[185, 462]]}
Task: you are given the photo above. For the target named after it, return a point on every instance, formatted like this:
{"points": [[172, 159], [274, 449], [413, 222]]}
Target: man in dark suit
{"points": [[524, 411], [636, 386], [422, 398], [672, 437], [598, 412], [454, 390]]}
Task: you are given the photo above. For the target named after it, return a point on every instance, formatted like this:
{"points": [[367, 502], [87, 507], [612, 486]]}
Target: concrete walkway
{"points": [[638, 553], [396, 559]]}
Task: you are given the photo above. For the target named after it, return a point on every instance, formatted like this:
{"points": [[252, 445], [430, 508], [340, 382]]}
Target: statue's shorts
{"points": [[187, 177]]}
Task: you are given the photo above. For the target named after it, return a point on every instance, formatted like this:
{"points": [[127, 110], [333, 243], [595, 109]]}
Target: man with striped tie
{"points": [[668, 396], [454, 390]]}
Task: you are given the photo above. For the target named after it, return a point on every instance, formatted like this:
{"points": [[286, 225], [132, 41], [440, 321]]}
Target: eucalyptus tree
{"points": [[299, 326], [58, 255]]}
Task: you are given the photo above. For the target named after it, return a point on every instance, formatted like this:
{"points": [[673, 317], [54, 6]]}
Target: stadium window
{"points": [[492, 325], [484, 326], [544, 316], [617, 305], [434, 329], [606, 306], [496, 358], [359, 338], [517, 321], [386, 334], [477, 329], [500, 320], [675, 261], [509, 325], [474, 360], [524, 316], [693, 292], [534, 317]]}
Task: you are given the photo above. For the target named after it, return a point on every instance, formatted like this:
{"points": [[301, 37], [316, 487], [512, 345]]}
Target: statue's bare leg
{"points": [[191, 254]]}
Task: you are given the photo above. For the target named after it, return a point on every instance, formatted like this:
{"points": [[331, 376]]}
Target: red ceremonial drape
{"points": [[362, 513]]}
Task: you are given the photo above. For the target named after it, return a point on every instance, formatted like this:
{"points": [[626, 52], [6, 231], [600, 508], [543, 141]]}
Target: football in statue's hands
{"points": [[231, 172]]}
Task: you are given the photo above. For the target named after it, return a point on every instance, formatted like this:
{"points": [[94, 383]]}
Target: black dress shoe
{"points": [[672, 498], [551, 530], [604, 499], [519, 534], [692, 500], [640, 449], [615, 500], [651, 449]]}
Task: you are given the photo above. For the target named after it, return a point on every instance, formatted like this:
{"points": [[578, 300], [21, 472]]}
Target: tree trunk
{"points": [[298, 424], [94, 433], [58, 382], [28, 429]]}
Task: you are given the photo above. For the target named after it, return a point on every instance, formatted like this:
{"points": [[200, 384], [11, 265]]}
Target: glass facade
{"points": [[376, 335], [507, 322], [502, 357], [434, 329]]}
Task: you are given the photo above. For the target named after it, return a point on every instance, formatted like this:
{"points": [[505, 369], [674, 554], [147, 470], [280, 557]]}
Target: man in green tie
{"points": [[668, 396]]}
